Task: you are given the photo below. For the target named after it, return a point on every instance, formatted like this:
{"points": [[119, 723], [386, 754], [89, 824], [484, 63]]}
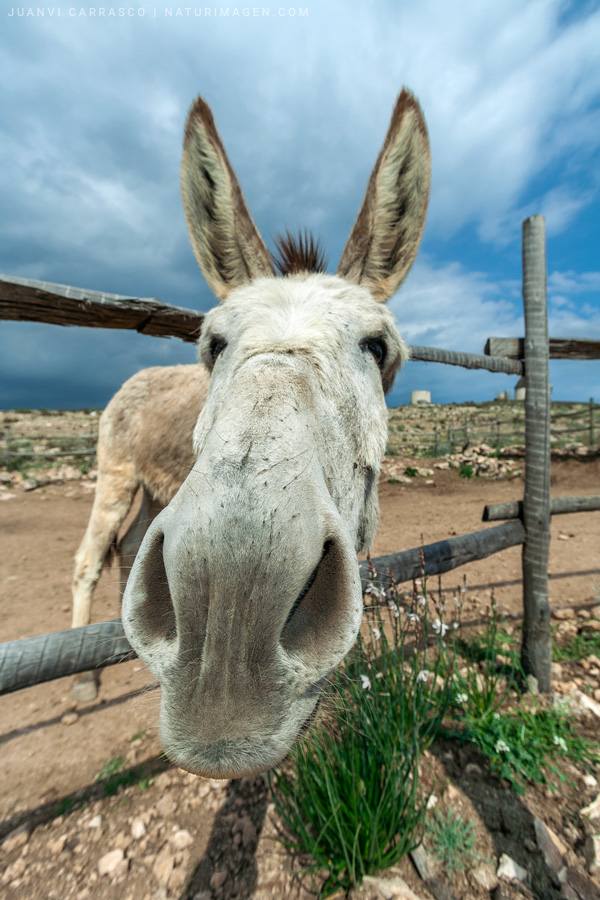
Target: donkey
{"points": [[245, 592], [144, 441]]}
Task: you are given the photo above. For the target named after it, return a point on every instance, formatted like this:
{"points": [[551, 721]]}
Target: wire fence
{"points": [[19, 452], [579, 427]]}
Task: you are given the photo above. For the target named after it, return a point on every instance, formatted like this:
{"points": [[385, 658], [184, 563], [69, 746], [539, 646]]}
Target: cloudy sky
{"points": [[92, 113]]}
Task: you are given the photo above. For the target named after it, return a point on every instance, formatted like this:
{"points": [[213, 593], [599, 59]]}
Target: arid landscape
{"points": [[92, 810]]}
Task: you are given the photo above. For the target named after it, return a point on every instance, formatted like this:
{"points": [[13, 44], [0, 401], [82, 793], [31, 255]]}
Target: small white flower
{"points": [[439, 627], [421, 600], [423, 675], [412, 617], [496, 715], [560, 742], [394, 608], [376, 633], [456, 601], [365, 682], [372, 588], [455, 625], [379, 675], [502, 747], [462, 698], [418, 581]]}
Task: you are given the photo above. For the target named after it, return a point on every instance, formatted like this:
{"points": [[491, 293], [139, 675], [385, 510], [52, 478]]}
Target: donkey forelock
{"points": [[246, 592]]}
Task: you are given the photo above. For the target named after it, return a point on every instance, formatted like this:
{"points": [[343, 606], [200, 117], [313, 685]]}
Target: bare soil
{"points": [[52, 749]]}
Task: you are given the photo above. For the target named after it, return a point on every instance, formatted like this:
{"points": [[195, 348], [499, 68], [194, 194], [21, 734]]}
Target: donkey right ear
{"points": [[387, 233], [226, 242]]}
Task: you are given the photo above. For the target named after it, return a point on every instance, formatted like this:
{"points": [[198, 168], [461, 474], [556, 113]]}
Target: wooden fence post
{"points": [[536, 649], [591, 423]]}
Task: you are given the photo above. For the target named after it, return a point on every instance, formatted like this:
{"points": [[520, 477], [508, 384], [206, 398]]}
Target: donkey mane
{"points": [[298, 253]]}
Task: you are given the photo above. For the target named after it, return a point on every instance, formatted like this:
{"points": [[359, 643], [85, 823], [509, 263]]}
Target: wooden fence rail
{"points": [[27, 300]]}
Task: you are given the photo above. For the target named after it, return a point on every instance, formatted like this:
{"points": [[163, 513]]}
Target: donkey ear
{"points": [[228, 247], [387, 233]]}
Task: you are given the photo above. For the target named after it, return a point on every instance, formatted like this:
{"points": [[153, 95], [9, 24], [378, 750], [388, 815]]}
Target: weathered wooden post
{"points": [[536, 649], [591, 423]]}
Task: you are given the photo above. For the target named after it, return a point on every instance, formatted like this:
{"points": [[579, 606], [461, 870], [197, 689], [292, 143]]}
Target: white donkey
{"points": [[245, 592], [144, 441]]}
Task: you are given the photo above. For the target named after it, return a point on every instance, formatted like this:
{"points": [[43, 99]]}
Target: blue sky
{"points": [[92, 114]]}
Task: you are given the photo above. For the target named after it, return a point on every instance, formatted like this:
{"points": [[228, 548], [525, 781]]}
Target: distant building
{"points": [[420, 398]]}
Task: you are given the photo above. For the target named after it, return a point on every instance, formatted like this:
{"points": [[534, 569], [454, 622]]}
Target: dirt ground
{"points": [[52, 748]]}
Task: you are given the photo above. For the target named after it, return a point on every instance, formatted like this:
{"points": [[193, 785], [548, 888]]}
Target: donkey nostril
{"points": [[317, 611], [156, 615]]}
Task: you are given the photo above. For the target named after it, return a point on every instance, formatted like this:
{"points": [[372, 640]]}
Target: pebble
{"points": [[57, 845], [511, 870], [69, 718], [138, 829], [563, 614], [96, 822], [17, 838], [591, 851], [218, 879], [182, 839], [593, 810], [164, 865], [245, 827], [109, 862], [485, 877], [166, 806]]}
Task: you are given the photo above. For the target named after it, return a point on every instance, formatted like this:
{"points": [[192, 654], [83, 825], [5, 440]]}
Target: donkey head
{"points": [[246, 592]]}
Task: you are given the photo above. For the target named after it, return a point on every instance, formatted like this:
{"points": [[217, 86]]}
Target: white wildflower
{"points": [[560, 742], [462, 698], [421, 600], [376, 633], [456, 601], [394, 608], [379, 675], [418, 582], [502, 747], [423, 675], [412, 617], [365, 682], [439, 627], [372, 588]]}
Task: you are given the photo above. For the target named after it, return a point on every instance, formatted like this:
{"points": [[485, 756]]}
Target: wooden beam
{"points": [[536, 648], [445, 555], [49, 656], [559, 348], [26, 300], [466, 360], [495, 512]]}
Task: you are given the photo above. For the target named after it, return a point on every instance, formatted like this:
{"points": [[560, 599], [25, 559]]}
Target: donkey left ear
{"points": [[386, 235], [228, 247]]}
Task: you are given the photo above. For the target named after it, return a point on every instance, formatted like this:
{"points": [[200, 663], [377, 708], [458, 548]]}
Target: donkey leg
{"points": [[129, 544], [114, 494]]}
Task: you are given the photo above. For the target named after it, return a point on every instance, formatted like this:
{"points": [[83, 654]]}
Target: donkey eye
{"points": [[377, 348], [217, 345]]}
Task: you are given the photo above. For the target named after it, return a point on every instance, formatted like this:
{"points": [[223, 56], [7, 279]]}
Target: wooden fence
{"points": [[528, 522]]}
